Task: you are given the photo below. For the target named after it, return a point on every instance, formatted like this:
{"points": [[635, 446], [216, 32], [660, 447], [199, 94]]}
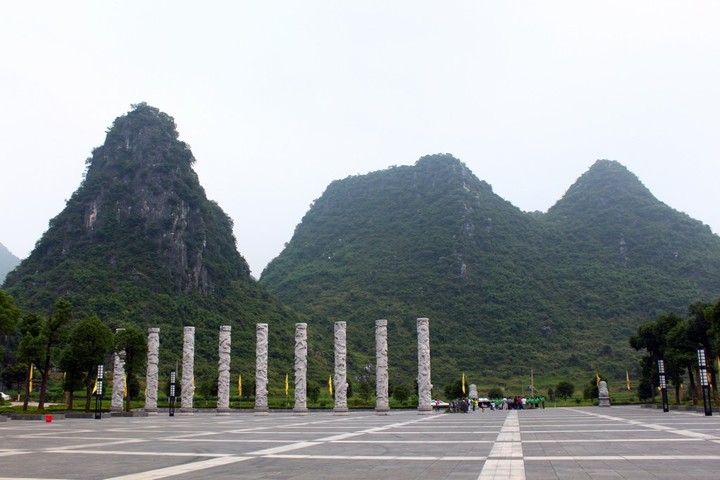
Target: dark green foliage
{"points": [[506, 291], [401, 393], [133, 343], [9, 314], [88, 343], [564, 390], [139, 244], [495, 392]]}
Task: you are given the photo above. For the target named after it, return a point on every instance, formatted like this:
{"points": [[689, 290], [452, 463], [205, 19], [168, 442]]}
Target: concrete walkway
{"points": [[566, 443]]}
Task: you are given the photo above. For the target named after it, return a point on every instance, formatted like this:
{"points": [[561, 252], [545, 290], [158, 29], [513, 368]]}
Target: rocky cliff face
{"points": [[142, 215]]}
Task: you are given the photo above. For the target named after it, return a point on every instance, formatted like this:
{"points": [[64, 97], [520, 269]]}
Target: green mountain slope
{"points": [[506, 291], [140, 242]]}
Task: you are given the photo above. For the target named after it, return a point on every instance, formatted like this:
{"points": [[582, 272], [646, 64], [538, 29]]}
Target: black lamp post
{"points": [[702, 367], [663, 385], [172, 394], [98, 392]]}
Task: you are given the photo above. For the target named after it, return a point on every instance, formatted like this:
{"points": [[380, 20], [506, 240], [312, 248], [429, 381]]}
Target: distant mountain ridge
{"points": [[8, 262], [139, 242], [505, 290]]}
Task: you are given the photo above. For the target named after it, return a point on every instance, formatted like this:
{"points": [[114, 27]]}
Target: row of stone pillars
{"points": [[382, 406]]}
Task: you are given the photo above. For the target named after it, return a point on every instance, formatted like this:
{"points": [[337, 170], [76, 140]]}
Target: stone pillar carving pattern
{"points": [[300, 368], [118, 390], [382, 404], [224, 343], [188, 371], [340, 369], [261, 369], [424, 379], [152, 375]]}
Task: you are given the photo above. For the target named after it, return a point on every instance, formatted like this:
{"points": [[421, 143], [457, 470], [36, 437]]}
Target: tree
{"points": [[365, 391], [55, 330], [133, 341], [313, 391], [401, 393], [9, 314], [564, 390], [30, 349], [89, 341], [496, 392]]}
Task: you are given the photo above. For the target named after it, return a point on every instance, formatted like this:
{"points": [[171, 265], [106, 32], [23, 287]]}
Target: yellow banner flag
{"points": [[597, 379], [239, 385], [463, 383], [125, 391], [627, 380], [287, 386], [32, 367], [94, 388], [330, 385]]}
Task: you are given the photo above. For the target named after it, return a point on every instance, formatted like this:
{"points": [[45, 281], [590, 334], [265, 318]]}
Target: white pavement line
{"points": [[607, 458], [10, 453], [283, 448], [506, 458], [180, 469], [653, 426], [27, 478], [378, 458], [140, 454], [611, 440], [418, 442], [94, 445], [372, 430]]}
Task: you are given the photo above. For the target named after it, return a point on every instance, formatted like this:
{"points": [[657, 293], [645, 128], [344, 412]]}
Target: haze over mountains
{"points": [[8, 262], [506, 291]]}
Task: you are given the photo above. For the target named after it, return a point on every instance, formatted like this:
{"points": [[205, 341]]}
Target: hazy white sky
{"points": [[279, 98]]}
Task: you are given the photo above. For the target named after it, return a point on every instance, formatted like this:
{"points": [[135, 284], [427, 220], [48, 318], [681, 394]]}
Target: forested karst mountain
{"points": [[8, 261], [139, 242], [505, 290]]}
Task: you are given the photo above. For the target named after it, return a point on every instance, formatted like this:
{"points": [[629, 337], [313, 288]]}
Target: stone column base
{"points": [[223, 411], [340, 411], [262, 411]]}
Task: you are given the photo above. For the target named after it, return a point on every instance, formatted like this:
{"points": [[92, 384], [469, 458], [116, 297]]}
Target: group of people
{"points": [[464, 405]]}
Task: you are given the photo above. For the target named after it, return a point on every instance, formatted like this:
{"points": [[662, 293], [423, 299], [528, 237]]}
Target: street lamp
{"points": [[171, 408], [663, 385], [98, 391], [702, 367]]}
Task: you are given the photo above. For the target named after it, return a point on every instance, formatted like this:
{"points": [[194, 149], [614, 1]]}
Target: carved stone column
{"points": [[424, 380], [300, 369], [261, 369], [340, 381], [188, 372], [118, 390], [152, 377], [223, 404], [382, 404]]}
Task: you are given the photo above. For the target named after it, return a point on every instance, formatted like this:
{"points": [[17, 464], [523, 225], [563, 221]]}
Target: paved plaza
{"points": [[567, 443]]}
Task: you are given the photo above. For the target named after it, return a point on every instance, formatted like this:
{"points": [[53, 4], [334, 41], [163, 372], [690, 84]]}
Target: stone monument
{"points": [[152, 376], [223, 403], [261, 369], [472, 393], [424, 380], [300, 369], [188, 372], [118, 390], [382, 404], [603, 394], [340, 381]]}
